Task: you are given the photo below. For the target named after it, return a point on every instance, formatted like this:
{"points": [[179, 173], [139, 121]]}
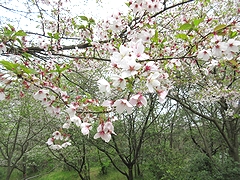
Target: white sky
{"points": [[88, 8]]}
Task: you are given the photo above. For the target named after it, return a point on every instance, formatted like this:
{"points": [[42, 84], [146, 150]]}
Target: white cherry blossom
{"points": [[130, 68], [118, 81], [41, 94], [123, 104], [104, 86], [153, 82], [204, 54], [57, 135], [85, 128], [138, 100]]}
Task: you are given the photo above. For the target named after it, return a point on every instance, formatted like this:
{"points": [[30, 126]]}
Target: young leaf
{"points": [[181, 36], [220, 27], [20, 33], [9, 65], [84, 18], [185, 26], [196, 22]]}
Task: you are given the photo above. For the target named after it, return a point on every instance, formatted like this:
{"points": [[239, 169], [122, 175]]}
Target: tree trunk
{"points": [[232, 132], [9, 172], [130, 172]]}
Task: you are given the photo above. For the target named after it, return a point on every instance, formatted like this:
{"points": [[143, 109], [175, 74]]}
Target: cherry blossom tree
{"points": [[91, 70]]}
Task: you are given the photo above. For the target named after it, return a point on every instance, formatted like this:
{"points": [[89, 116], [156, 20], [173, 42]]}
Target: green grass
{"points": [[111, 175], [60, 175], [71, 175]]}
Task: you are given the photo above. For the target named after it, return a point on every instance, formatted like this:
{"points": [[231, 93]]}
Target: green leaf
{"points": [[20, 33], [155, 37], [50, 35], [89, 40], [59, 70], [233, 34], [91, 21], [84, 18], [81, 27], [220, 27], [56, 36], [181, 36], [196, 22], [27, 70], [19, 41], [128, 4], [185, 26], [26, 55], [9, 65]]}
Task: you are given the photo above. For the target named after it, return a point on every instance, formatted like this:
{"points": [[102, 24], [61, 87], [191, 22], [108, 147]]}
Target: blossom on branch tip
{"points": [[138, 100], [3, 48], [107, 103], [130, 68], [57, 135], [50, 141], [66, 144], [76, 120], [101, 134], [162, 94], [150, 67], [138, 51], [204, 54], [67, 124], [118, 81], [71, 110], [104, 86], [108, 127], [232, 48], [85, 128], [41, 94], [2, 95], [153, 82], [123, 104]]}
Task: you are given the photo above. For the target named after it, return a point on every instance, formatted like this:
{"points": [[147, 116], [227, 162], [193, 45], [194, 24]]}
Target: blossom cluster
{"points": [[220, 49], [57, 137]]}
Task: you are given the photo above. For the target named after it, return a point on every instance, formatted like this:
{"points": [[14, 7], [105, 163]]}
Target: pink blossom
{"points": [[118, 81], [101, 134], [162, 94], [138, 100], [204, 54], [130, 68], [41, 94], [138, 51], [150, 67], [108, 127], [66, 144], [71, 110], [67, 124], [107, 103], [123, 104], [85, 128]]}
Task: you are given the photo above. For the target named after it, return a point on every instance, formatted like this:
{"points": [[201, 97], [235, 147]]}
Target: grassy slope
{"points": [[71, 175]]}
